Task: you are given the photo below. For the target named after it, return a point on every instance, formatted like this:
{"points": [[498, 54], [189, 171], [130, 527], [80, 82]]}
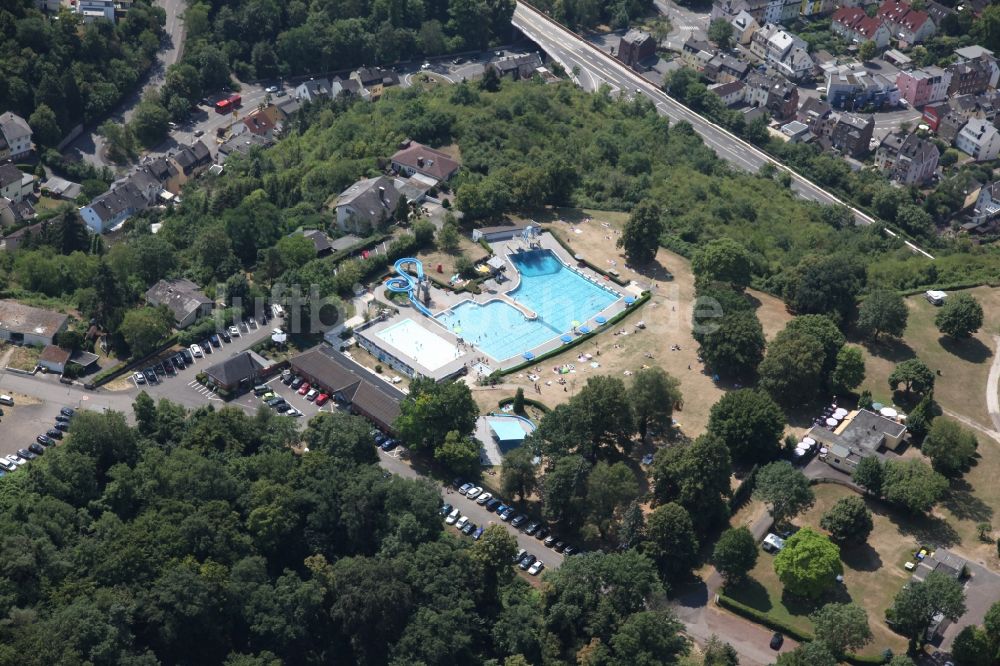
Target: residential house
{"points": [[239, 372], [135, 193], [744, 26], [48, 6], [861, 434], [731, 94], [312, 90], [14, 183], [13, 213], [816, 7], [854, 25], [979, 139], [987, 207], [517, 67], [288, 106], [850, 86], [796, 132], [782, 50], [976, 52], [256, 122], [970, 77], [192, 160], [726, 9], [15, 239], [782, 11], [242, 145], [905, 23], [60, 188], [907, 158], [937, 11], [950, 124], [923, 86], [932, 114], [182, 297], [165, 172], [696, 53], [375, 79], [779, 97], [366, 205], [25, 325], [724, 68], [94, 10], [54, 359], [16, 134], [350, 385], [852, 135], [320, 241], [635, 46], [813, 111], [413, 157]]}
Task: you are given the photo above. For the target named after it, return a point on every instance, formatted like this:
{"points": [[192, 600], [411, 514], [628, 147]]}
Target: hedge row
{"points": [[540, 406], [581, 338], [759, 617], [594, 267]]}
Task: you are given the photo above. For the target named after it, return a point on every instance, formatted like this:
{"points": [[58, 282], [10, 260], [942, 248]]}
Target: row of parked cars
{"points": [[508, 513], [275, 401], [13, 462], [525, 560], [383, 441], [304, 388], [185, 357]]}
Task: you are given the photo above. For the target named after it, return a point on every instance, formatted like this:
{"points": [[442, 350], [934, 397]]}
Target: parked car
{"points": [[466, 487], [178, 361], [777, 640], [67, 411], [461, 522], [322, 399], [473, 493], [188, 356], [569, 550], [521, 553], [296, 383], [53, 433], [225, 337], [457, 483], [283, 407], [530, 528], [275, 401], [199, 132], [271, 89], [508, 514], [446, 509], [304, 388], [45, 440], [311, 395], [478, 533], [536, 568], [234, 332], [196, 350], [150, 376], [550, 540], [469, 529], [206, 347], [61, 426], [541, 533], [501, 509], [266, 396], [6, 400], [214, 339], [559, 546], [527, 562], [36, 448], [261, 389], [168, 368], [26, 454], [517, 521], [379, 438], [389, 444], [139, 378], [288, 379], [452, 517], [62, 418], [292, 411], [7, 465], [492, 505], [17, 460], [483, 499]]}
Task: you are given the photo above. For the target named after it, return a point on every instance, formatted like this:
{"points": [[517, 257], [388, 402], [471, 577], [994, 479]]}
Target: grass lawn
{"points": [[961, 388], [667, 316], [873, 574], [435, 257], [24, 358]]}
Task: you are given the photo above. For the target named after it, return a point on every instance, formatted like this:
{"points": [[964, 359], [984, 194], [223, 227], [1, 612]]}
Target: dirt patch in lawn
{"points": [[667, 318]]}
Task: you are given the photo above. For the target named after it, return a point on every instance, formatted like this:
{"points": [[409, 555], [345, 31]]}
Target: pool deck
{"points": [[442, 300]]}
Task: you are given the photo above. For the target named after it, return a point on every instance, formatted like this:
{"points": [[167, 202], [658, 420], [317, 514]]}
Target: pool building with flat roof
{"points": [[546, 301]]}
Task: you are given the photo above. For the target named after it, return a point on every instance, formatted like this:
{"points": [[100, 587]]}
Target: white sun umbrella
{"points": [[279, 338], [840, 413], [831, 422], [889, 412], [808, 440]]}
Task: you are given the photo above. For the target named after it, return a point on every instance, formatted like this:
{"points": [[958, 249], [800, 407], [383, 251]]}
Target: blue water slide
{"points": [[405, 283]]}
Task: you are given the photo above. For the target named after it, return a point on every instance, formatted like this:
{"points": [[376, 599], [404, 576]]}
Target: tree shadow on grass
{"points": [[861, 557], [971, 350], [891, 349], [751, 593], [692, 595], [803, 606], [964, 505], [925, 529]]}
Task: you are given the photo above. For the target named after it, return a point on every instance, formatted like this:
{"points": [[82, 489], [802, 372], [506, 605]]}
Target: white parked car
{"points": [[271, 89], [452, 517], [461, 522], [16, 460], [293, 412], [425, 66], [7, 465], [474, 493], [535, 568], [235, 332], [196, 351], [484, 498], [311, 395], [139, 378], [773, 543]]}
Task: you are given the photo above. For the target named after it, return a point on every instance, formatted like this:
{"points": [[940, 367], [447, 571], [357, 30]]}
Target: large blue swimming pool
{"points": [[558, 295]]}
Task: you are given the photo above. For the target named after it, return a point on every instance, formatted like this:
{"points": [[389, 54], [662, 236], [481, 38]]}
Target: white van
{"points": [[6, 400], [278, 311]]}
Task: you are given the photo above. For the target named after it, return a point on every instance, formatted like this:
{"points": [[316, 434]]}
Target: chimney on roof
{"points": [[381, 195], [420, 162]]}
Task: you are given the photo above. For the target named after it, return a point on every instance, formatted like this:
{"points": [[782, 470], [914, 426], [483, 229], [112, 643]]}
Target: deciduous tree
{"points": [[670, 541], [750, 423], [850, 369], [517, 473], [870, 475], [696, 476], [883, 311], [610, 488], [919, 601], [723, 260], [960, 316], [912, 485], [809, 564], [784, 489], [641, 236], [913, 375], [735, 554], [950, 447], [848, 520], [842, 627], [652, 397], [432, 410], [733, 345], [792, 370]]}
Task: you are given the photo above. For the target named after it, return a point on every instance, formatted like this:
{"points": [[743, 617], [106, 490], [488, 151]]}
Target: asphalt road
{"points": [[597, 68]]}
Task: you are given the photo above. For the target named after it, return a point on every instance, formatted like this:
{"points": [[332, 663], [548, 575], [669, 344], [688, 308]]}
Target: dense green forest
{"points": [[201, 538], [592, 13], [57, 73]]}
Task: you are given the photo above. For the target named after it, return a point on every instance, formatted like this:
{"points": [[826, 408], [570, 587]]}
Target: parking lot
{"points": [[309, 408]]}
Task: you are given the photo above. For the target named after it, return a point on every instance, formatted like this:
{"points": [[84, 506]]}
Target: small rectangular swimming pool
{"points": [[558, 295], [430, 350]]}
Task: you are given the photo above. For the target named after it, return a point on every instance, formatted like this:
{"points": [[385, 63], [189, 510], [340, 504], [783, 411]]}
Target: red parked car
{"points": [[321, 399], [304, 388]]}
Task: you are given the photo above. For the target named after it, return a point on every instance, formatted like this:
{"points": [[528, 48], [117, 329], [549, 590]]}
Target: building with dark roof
{"points": [[852, 135], [350, 384], [860, 435], [193, 159], [15, 212], [415, 157], [366, 205], [54, 359], [517, 67], [242, 145], [635, 46], [182, 297], [113, 207], [237, 373], [907, 158]]}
